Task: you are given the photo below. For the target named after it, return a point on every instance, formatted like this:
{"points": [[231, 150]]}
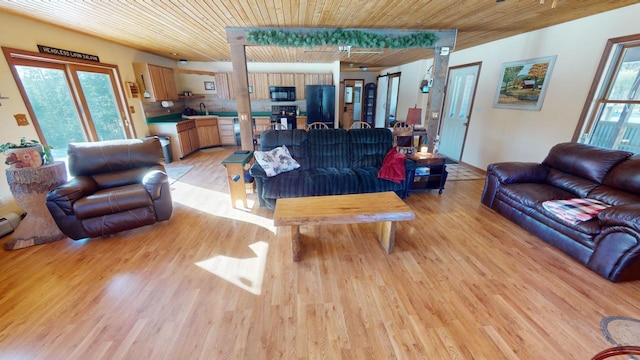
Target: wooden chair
{"points": [[360, 125], [317, 125], [403, 136], [277, 126], [615, 351]]}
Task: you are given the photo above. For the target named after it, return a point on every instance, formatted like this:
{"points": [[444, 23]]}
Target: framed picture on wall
{"points": [[523, 84], [209, 85]]}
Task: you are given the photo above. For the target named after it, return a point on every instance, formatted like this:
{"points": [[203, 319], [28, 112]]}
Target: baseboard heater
{"points": [[8, 223]]}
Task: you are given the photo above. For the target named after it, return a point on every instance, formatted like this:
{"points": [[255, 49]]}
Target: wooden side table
{"points": [[435, 175], [29, 187], [236, 164]]}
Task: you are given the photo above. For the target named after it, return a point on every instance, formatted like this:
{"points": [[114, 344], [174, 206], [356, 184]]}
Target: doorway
{"points": [[387, 99], [352, 98], [461, 91]]}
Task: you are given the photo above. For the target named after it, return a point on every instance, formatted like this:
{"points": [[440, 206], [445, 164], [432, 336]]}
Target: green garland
{"points": [[355, 38]]}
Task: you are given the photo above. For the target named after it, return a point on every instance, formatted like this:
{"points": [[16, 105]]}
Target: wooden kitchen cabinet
{"points": [[260, 84], [158, 81], [318, 79], [282, 79], [208, 134], [188, 137], [300, 86], [224, 83], [226, 131]]}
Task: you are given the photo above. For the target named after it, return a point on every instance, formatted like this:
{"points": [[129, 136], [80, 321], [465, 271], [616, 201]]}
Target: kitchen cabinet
{"points": [[208, 134], [300, 86], [260, 84], [318, 79], [226, 131], [225, 89], [282, 79], [157, 81], [301, 122], [188, 137]]}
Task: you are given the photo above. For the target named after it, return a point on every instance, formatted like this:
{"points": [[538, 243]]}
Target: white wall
{"points": [[31, 34], [409, 94], [504, 134]]}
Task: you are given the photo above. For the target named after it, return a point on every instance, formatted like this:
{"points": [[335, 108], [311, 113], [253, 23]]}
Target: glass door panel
{"points": [[52, 102], [100, 98]]}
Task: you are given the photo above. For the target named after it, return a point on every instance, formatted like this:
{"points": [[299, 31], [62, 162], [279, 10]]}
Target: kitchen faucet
{"points": [[202, 105]]}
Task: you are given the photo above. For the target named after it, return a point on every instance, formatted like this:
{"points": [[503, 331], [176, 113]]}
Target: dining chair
{"points": [[403, 136], [277, 126], [360, 125], [317, 125]]}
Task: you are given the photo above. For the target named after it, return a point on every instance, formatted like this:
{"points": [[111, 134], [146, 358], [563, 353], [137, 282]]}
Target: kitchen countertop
{"points": [[174, 118]]}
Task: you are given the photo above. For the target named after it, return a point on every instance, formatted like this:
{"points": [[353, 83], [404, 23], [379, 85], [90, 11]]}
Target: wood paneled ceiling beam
{"points": [[237, 39]]}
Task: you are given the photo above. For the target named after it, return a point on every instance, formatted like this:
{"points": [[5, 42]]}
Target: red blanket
{"points": [[392, 166]]}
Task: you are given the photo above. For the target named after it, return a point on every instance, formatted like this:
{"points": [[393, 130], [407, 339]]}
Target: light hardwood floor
{"points": [[462, 283]]}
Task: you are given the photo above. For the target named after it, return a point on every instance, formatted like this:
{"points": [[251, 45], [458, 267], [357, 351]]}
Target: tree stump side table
{"points": [[29, 187]]}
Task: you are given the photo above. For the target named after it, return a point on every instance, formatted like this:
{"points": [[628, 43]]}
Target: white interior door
{"points": [[381, 101], [461, 90]]}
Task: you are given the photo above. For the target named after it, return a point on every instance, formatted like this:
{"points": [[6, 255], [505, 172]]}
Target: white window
{"points": [[611, 118]]}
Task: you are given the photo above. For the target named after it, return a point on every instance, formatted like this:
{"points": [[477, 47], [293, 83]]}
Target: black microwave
{"points": [[282, 93]]}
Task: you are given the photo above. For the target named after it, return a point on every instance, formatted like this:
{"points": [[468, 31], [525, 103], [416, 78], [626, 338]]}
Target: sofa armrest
{"points": [[153, 182], [518, 172], [257, 171], [621, 215]]}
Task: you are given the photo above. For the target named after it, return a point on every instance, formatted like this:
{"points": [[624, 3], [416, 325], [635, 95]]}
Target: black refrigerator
{"points": [[321, 104]]}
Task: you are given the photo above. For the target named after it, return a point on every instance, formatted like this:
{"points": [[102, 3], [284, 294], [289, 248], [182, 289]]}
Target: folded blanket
{"points": [[575, 210], [392, 166]]}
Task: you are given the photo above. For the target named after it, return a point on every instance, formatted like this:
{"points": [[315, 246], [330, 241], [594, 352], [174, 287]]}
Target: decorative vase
{"points": [[24, 157]]}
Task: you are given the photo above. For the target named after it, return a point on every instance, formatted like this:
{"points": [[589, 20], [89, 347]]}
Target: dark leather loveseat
{"points": [[117, 185], [332, 162], [609, 243]]}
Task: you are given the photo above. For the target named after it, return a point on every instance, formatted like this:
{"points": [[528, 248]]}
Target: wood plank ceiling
{"points": [[195, 29]]}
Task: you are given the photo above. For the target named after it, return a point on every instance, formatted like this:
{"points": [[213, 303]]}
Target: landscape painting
{"points": [[523, 84]]}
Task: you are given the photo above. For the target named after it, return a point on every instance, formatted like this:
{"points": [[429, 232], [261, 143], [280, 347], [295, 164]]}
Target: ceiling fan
{"points": [[347, 49]]}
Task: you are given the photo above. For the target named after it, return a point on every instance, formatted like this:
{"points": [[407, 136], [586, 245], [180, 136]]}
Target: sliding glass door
{"points": [[72, 102]]}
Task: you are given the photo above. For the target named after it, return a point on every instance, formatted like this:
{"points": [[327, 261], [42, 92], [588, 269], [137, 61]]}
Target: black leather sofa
{"points": [[117, 185], [332, 162], [609, 243]]}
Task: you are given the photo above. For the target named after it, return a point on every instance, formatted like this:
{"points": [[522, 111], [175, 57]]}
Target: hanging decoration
{"points": [[355, 38]]}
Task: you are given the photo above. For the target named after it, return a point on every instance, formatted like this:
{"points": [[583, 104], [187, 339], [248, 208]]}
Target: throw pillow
{"points": [[276, 160], [575, 210]]}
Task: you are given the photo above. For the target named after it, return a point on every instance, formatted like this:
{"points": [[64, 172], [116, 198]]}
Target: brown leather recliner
{"points": [[117, 185]]}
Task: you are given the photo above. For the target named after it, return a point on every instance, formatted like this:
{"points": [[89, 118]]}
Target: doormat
{"points": [[621, 330], [461, 172], [176, 172]]}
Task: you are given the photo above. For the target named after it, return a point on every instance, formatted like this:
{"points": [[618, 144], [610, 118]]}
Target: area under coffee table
{"points": [[384, 209]]}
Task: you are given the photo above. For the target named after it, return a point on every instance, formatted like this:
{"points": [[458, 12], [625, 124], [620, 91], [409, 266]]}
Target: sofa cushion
{"points": [[295, 183], [369, 146], [584, 161], [295, 140], [576, 185], [532, 194], [614, 196], [370, 182], [334, 181], [625, 176], [276, 160], [329, 148], [575, 210]]}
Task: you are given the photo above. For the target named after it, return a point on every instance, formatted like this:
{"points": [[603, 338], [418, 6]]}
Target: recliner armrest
{"points": [[65, 195], [518, 172], [153, 182]]}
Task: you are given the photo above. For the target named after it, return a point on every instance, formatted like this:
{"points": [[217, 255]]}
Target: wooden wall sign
{"points": [[67, 53]]}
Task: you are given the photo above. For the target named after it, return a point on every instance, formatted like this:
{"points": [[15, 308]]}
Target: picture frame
{"points": [[210, 85], [522, 85]]}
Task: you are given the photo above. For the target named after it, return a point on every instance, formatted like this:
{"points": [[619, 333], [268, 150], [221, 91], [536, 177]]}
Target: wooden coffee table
{"points": [[384, 209]]}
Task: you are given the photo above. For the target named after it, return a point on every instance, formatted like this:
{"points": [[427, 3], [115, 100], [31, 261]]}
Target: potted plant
{"points": [[26, 154]]}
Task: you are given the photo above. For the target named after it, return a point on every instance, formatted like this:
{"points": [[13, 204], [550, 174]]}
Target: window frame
{"points": [[601, 86]]}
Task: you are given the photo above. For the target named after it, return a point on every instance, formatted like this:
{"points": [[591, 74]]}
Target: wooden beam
{"points": [[194, 72], [241, 87], [436, 96], [446, 38]]}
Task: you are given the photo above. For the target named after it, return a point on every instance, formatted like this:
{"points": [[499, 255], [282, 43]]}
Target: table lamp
{"points": [[414, 116]]}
